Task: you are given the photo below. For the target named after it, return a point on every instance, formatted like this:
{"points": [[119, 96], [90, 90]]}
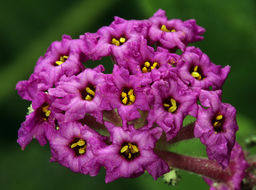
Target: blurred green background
{"points": [[27, 29]]}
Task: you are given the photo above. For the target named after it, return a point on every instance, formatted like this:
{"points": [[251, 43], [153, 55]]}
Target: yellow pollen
{"points": [[134, 148], [147, 67], [217, 123], [89, 91], [172, 109], [155, 64], [129, 151], [132, 98], [46, 111], [170, 105], [173, 102], [88, 97], [79, 146], [122, 40], [219, 117], [124, 148], [147, 64], [164, 28], [73, 145], [129, 97], [196, 68], [130, 92], [173, 30], [81, 142], [196, 75], [115, 42], [166, 105], [123, 94], [62, 60], [81, 151], [144, 70], [125, 100]]}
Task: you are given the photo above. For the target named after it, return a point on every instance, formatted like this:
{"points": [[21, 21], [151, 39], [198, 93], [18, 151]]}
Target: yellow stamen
{"points": [[173, 102], [147, 64], [124, 148], [122, 39], [89, 91], [144, 70], [217, 124], [81, 151], [125, 100], [73, 145], [81, 142], [132, 98], [46, 111], [219, 117], [130, 92], [155, 64], [61, 60], [115, 42], [129, 155], [164, 28], [123, 94], [58, 62], [196, 68], [173, 30], [135, 148], [172, 109], [88, 97], [166, 105], [196, 75]]}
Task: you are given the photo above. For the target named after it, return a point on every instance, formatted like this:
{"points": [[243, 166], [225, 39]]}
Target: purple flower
{"points": [[216, 126], [75, 146], [237, 170], [124, 92], [147, 63], [80, 95], [173, 33], [131, 153], [62, 58], [198, 71], [28, 89], [117, 38], [172, 102], [37, 122]]}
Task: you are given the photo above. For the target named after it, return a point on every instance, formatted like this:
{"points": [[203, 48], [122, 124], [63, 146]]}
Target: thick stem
{"points": [[186, 132], [201, 166]]}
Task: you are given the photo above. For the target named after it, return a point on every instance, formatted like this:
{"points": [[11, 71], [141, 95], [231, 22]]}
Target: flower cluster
{"points": [[92, 119]]}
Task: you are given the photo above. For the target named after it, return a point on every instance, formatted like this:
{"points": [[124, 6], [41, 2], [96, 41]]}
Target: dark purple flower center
{"points": [[78, 145], [118, 41], [217, 123], [170, 105], [88, 92], [149, 66], [172, 62], [197, 72], [44, 111], [127, 96], [129, 151], [165, 29], [61, 60], [56, 125]]}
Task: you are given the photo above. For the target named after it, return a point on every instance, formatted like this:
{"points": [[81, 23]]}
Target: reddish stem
{"points": [[201, 166], [186, 132]]}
